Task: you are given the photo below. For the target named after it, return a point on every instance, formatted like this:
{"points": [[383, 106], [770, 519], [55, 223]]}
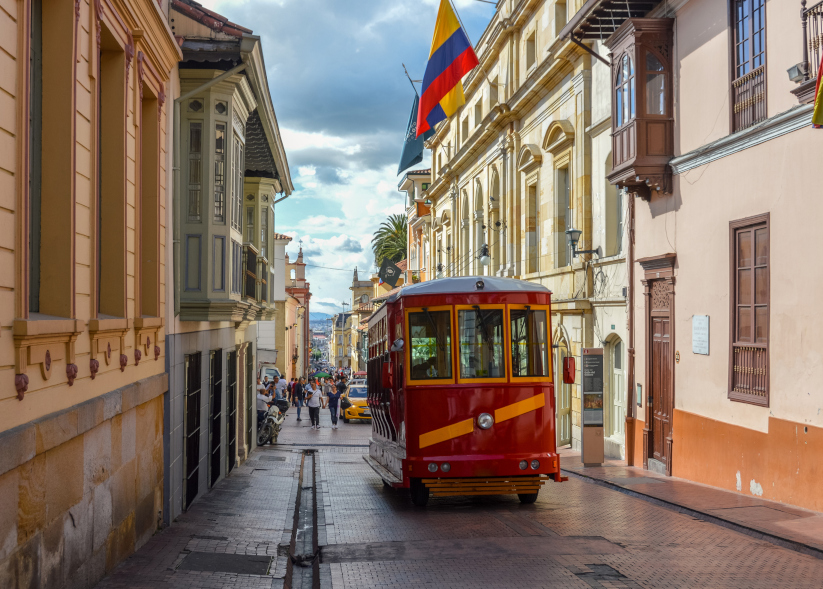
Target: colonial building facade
{"points": [[85, 123], [231, 168], [298, 298], [711, 137], [521, 164]]}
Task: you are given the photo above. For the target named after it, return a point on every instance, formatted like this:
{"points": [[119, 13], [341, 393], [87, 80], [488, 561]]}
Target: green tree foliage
{"points": [[390, 240]]}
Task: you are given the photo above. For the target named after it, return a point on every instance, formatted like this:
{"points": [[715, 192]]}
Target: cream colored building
{"points": [[85, 117], [521, 163], [340, 345], [231, 169], [720, 157]]}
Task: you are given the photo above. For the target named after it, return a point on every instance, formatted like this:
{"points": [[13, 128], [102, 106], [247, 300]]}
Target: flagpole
{"points": [[410, 80]]}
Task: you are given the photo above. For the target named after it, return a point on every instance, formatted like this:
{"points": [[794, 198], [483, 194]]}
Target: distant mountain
{"points": [[319, 316]]}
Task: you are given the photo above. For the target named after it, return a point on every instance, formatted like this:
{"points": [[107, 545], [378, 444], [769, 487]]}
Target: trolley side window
{"points": [[530, 348], [431, 355], [481, 343]]}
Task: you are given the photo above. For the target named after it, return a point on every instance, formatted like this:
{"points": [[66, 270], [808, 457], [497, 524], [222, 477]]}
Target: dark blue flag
{"points": [[413, 145]]}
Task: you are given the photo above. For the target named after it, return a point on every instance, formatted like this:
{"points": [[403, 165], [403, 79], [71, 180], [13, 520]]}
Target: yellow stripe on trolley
{"points": [[519, 408], [447, 433]]}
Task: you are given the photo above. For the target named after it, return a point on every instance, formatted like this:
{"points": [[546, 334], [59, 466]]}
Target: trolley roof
{"points": [[468, 284]]}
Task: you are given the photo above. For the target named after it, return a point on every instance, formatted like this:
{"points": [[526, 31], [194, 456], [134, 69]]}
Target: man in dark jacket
{"points": [[334, 401], [298, 395]]}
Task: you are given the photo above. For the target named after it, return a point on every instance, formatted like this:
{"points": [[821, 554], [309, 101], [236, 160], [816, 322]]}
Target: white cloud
{"points": [[307, 171], [297, 140]]}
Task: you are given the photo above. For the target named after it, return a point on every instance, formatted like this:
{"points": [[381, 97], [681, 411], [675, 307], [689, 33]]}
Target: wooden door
{"points": [[661, 393]]}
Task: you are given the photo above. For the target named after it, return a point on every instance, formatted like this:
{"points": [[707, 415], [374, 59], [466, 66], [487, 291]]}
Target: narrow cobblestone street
{"points": [[578, 534]]}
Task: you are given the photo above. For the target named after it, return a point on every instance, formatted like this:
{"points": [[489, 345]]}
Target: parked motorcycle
{"points": [[269, 427]]}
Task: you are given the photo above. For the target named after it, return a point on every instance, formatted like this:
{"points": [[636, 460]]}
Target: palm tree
{"points": [[390, 240]]}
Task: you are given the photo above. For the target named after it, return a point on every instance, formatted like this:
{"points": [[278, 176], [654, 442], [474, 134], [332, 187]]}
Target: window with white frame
{"points": [[220, 172]]}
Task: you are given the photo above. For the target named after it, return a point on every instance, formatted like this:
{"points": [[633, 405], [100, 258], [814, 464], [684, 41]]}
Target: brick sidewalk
{"points": [[237, 526], [786, 525]]}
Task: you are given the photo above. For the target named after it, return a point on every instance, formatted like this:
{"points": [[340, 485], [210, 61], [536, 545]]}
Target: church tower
{"points": [[361, 291]]}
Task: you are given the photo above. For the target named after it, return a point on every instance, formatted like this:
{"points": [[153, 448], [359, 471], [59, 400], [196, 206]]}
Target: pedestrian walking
{"points": [[335, 393], [299, 395], [314, 399]]}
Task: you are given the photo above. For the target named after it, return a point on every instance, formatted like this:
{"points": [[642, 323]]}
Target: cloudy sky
{"points": [[342, 103]]}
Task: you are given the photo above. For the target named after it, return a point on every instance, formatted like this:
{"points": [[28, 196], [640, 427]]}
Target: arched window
{"points": [[624, 92]]}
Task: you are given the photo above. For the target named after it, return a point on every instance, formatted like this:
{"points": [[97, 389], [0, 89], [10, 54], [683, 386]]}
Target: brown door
{"points": [[661, 405]]}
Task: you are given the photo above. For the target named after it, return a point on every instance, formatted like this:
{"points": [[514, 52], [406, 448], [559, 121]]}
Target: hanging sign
{"points": [[592, 371]]}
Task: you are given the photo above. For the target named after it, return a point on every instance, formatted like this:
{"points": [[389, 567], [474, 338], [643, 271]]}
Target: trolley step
{"points": [[381, 470]]}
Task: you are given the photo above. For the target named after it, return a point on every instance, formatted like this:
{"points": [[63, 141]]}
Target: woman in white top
{"points": [[314, 399]]}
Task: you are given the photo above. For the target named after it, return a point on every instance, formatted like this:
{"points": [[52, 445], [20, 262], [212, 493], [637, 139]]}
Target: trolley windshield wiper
{"points": [[434, 328]]}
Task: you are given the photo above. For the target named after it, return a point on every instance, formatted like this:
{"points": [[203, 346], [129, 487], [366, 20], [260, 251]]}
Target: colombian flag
{"points": [[817, 117], [451, 58]]}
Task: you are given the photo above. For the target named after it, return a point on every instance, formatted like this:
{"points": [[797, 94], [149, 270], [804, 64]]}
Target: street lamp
{"points": [[485, 259], [573, 235]]}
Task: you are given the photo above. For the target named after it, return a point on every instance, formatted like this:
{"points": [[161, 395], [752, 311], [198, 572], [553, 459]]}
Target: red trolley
{"points": [[461, 391]]}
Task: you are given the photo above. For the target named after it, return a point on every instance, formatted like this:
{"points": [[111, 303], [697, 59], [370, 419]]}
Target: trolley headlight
{"points": [[535, 464], [524, 465], [445, 467], [485, 421], [432, 467]]}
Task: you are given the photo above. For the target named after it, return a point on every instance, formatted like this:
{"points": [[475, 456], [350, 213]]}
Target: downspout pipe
{"points": [[176, 184], [630, 398]]}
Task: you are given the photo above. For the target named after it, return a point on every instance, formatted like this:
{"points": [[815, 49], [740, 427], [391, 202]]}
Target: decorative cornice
{"points": [[793, 119], [129, 53]]}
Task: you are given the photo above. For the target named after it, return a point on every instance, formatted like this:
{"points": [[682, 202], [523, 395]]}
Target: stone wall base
{"points": [[82, 489]]}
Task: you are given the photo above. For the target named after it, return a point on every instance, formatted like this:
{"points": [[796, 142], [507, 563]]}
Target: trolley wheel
{"points": [[419, 493], [527, 498]]}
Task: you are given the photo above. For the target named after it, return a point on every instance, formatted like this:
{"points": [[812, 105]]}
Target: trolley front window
{"points": [[530, 347], [430, 334], [481, 343]]}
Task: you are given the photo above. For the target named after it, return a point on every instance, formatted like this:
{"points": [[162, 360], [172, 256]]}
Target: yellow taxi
{"points": [[356, 394]]}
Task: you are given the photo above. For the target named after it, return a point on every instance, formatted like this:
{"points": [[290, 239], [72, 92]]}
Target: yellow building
{"points": [[520, 164], [86, 111]]}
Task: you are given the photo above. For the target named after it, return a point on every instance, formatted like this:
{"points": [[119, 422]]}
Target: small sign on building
{"points": [[700, 334], [592, 372]]}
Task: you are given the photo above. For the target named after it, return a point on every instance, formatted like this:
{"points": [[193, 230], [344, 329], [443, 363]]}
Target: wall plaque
{"points": [[700, 334]]}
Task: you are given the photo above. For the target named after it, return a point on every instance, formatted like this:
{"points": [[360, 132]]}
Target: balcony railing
{"points": [[749, 98], [750, 377], [812, 19]]}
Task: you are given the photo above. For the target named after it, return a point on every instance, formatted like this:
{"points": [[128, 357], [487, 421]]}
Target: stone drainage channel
{"points": [[303, 568]]}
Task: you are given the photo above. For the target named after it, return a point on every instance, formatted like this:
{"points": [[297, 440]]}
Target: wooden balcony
{"points": [[812, 24]]}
